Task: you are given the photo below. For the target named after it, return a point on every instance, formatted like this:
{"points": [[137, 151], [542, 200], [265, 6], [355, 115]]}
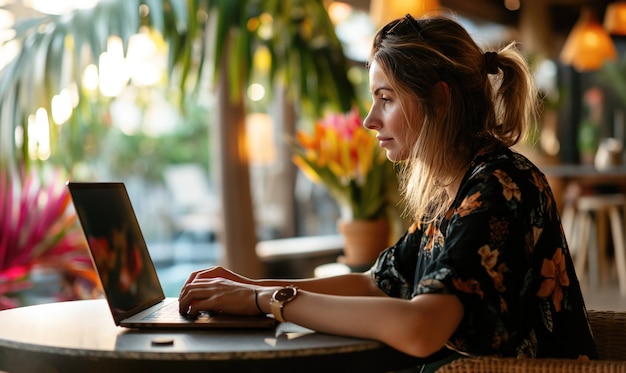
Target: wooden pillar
{"points": [[238, 234], [535, 28], [284, 116]]}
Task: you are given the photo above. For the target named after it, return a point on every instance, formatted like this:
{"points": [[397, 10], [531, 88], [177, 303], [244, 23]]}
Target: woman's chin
{"points": [[394, 156]]}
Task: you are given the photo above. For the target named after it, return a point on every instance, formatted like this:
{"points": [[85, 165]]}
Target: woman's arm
{"points": [[348, 284], [344, 306], [419, 327]]}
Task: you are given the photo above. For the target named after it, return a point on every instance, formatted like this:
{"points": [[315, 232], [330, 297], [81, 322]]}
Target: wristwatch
{"points": [[279, 298]]}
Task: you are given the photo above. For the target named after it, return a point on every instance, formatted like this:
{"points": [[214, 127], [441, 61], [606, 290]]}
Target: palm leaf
{"points": [[305, 51]]}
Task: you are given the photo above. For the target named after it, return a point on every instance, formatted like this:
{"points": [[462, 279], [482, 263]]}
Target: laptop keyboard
{"points": [[167, 312], [170, 312]]}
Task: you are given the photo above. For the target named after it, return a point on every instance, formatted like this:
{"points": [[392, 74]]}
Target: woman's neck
{"points": [[453, 187]]}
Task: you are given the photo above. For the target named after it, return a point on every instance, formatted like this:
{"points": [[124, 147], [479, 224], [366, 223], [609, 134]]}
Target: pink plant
{"points": [[38, 229]]}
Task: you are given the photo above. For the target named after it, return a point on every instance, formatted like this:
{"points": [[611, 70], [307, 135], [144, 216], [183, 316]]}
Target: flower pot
{"points": [[363, 241]]}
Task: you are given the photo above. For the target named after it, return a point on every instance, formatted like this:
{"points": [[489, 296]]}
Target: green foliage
{"points": [[143, 155], [306, 57]]}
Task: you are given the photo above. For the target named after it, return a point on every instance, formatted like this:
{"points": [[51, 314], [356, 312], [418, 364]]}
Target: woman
{"points": [[485, 269]]}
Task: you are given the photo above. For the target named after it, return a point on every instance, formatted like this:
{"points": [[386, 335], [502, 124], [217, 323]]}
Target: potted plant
{"points": [[343, 156]]}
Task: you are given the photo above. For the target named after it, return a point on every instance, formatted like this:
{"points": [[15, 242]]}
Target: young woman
{"points": [[485, 269]]}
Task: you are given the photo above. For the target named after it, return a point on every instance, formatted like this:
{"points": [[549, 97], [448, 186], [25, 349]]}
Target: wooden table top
{"points": [[81, 336]]}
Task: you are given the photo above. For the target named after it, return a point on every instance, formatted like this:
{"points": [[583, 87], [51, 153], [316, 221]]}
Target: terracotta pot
{"points": [[364, 240]]}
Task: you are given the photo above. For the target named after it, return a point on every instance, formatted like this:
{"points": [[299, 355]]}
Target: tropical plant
{"points": [[305, 55], [306, 59], [343, 156], [38, 230]]}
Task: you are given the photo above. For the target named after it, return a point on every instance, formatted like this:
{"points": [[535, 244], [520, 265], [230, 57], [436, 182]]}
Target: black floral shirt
{"points": [[502, 251]]}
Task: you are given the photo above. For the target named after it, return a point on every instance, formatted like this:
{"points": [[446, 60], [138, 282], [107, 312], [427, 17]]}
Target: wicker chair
{"points": [[609, 330]]}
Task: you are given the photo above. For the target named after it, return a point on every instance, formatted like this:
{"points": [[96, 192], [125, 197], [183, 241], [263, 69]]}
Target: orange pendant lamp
{"points": [[615, 18], [384, 11], [588, 45]]}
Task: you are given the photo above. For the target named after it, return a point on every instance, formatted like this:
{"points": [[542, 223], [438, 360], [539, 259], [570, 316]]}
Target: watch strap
{"points": [[277, 311]]}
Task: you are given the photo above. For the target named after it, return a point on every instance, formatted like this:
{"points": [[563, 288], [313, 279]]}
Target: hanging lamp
{"points": [[588, 45], [384, 11], [615, 18]]}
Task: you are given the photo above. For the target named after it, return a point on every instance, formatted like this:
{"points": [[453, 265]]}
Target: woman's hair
{"points": [[487, 98]]}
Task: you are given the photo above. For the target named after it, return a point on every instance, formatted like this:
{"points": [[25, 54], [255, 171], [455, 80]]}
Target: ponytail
{"points": [[515, 97]]}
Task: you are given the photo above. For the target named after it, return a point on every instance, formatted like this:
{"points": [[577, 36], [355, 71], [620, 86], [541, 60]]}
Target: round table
{"points": [[80, 336]]}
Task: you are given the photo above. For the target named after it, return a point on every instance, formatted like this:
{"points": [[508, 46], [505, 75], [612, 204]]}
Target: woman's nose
{"points": [[370, 122]]}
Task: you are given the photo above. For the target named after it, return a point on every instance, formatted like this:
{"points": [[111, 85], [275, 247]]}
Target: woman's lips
{"points": [[384, 141]]}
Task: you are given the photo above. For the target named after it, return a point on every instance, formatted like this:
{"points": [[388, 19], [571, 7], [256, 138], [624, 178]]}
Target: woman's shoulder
{"points": [[500, 172], [499, 158]]}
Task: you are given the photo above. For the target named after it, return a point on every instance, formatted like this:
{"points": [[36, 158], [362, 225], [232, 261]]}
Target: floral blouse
{"points": [[502, 251]]}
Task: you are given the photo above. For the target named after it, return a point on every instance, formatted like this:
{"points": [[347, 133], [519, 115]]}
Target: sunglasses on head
{"points": [[402, 23]]}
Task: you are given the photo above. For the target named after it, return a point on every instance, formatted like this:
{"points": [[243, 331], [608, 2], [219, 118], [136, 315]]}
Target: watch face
{"points": [[284, 294]]}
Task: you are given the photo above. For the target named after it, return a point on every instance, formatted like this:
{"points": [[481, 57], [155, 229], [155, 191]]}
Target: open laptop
{"points": [[126, 271]]}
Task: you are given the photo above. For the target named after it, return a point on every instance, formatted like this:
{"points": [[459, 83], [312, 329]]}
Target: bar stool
{"points": [[588, 241]]}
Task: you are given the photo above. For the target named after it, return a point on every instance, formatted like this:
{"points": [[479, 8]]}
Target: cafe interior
{"points": [[206, 111], [213, 180]]}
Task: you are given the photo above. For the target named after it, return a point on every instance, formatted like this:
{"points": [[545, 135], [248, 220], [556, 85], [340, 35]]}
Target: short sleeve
{"points": [[394, 271]]}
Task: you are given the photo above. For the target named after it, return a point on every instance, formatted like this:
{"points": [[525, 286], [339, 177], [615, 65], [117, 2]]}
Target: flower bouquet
{"points": [[344, 157]]}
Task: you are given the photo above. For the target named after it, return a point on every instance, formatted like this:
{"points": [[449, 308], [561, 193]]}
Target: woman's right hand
{"points": [[217, 272], [204, 285]]}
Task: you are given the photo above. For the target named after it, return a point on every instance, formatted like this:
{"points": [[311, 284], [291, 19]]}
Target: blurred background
{"points": [[194, 105]]}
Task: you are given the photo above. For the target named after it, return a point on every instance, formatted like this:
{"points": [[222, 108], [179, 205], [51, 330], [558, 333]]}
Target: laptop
{"points": [[121, 258]]}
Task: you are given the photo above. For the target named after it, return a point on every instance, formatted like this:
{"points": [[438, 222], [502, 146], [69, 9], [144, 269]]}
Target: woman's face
{"points": [[386, 118]]}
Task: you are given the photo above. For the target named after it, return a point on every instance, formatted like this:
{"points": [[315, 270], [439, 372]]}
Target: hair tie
{"points": [[491, 62]]}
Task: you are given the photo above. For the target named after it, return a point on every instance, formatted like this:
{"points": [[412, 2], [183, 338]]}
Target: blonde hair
{"points": [[455, 98]]}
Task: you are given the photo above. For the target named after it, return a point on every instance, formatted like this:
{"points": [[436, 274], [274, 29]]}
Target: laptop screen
{"points": [[117, 247]]}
